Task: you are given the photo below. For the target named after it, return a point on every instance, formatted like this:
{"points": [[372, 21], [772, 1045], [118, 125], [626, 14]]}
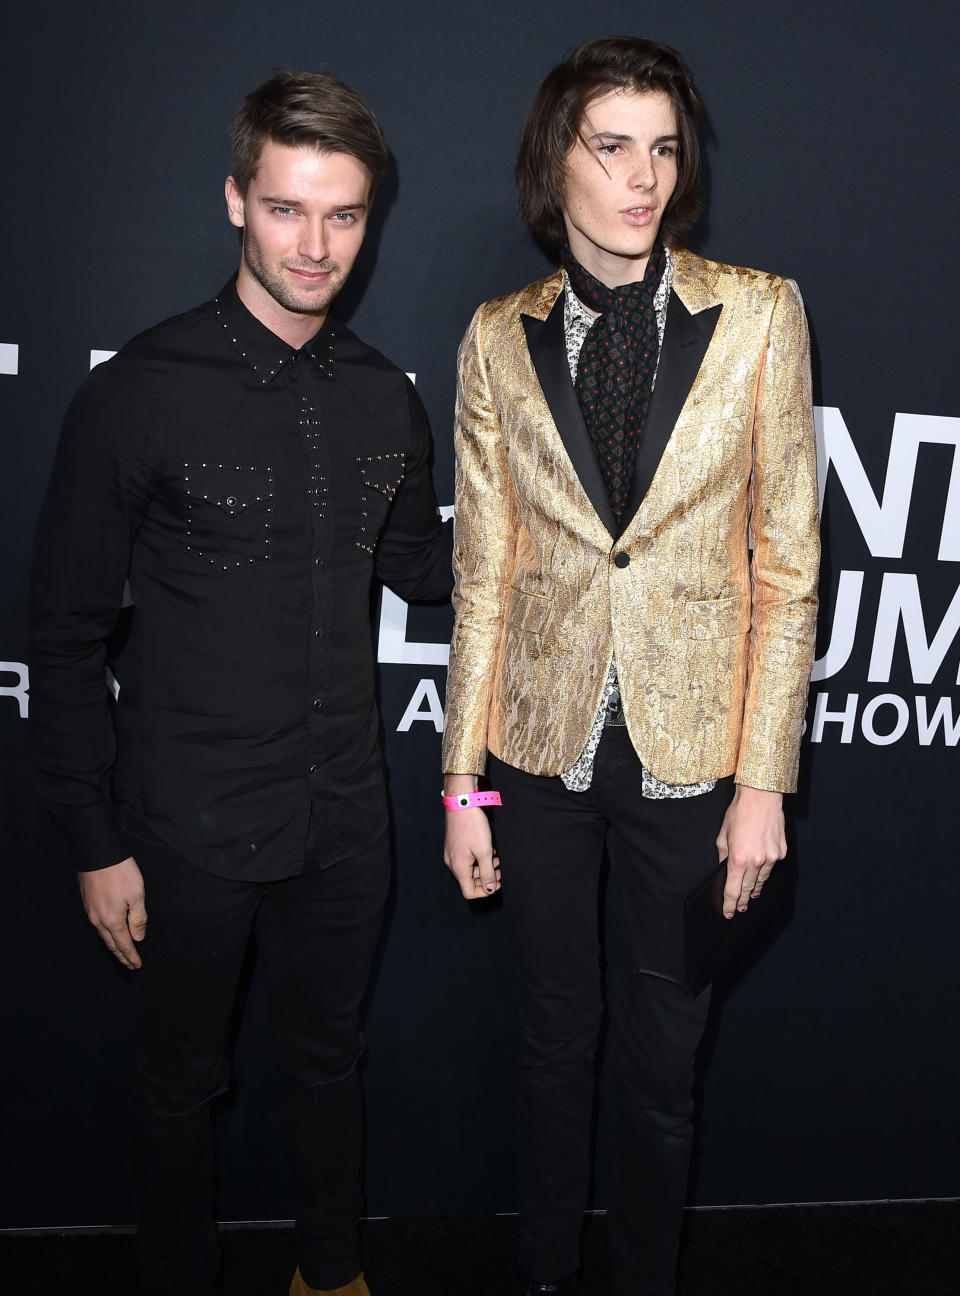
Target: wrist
{"points": [[459, 784], [471, 800], [758, 796]]}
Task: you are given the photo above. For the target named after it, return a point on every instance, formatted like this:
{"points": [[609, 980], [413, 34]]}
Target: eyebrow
{"points": [[614, 138], [298, 202]]}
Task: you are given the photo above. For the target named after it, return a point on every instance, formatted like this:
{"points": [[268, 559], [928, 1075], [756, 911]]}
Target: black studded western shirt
{"points": [[247, 495]]}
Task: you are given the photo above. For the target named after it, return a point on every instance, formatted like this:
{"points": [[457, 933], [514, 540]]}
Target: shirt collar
{"points": [[263, 351], [576, 312]]}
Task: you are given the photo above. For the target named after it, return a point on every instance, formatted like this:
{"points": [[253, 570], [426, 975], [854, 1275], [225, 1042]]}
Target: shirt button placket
{"points": [[311, 436]]}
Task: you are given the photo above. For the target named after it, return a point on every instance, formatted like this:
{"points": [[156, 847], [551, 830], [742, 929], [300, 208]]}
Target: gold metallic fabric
{"points": [[713, 648]]}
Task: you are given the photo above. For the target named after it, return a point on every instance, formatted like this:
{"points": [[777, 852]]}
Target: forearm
{"points": [[74, 746]]}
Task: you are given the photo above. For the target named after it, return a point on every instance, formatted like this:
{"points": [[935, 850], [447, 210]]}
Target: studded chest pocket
{"points": [[380, 478], [228, 514]]}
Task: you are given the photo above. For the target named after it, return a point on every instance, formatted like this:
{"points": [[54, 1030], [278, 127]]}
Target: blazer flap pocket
{"points": [[531, 612], [717, 618]]}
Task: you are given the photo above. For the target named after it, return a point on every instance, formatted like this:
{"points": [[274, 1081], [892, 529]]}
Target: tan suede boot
{"points": [[356, 1288]]}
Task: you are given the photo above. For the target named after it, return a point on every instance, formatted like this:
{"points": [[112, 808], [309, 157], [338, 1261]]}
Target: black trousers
{"points": [[552, 845], [316, 935]]}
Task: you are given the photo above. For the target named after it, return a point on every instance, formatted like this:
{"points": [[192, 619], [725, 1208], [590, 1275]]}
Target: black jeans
{"points": [[316, 935], [552, 844]]}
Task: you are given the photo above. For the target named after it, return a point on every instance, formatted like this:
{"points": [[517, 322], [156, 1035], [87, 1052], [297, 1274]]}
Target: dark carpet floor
{"points": [[878, 1249]]}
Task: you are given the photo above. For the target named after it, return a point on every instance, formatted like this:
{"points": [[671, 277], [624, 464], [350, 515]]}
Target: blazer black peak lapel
{"points": [[685, 340], [548, 351]]}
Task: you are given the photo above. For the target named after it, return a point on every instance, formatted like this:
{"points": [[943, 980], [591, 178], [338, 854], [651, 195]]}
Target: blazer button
{"points": [[622, 559]]}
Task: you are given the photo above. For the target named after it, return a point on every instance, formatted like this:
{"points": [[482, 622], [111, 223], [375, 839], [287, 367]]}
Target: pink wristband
{"points": [[467, 799]]}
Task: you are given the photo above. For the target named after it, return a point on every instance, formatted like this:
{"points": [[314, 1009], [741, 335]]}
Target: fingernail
{"points": [[490, 887]]}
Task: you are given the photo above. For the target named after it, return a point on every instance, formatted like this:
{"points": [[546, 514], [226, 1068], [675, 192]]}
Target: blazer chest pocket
{"points": [[724, 618], [228, 513]]}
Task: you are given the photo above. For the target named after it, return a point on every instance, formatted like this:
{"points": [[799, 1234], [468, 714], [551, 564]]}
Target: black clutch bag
{"points": [[711, 941]]}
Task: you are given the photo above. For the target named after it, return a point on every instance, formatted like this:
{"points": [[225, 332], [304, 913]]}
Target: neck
{"points": [[292, 327]]}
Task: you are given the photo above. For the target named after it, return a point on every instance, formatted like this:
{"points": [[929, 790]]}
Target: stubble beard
{"points": [[314, 302]]}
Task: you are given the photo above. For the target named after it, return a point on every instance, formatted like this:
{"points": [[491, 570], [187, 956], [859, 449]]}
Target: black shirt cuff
{"points": [[95, 835]]}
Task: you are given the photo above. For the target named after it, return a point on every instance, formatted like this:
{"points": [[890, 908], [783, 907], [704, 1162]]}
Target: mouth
{"points": [[311, 276], [638, 217]]}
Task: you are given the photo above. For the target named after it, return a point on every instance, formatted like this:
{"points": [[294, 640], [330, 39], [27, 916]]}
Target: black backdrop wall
{"points": [[835, 1073]]}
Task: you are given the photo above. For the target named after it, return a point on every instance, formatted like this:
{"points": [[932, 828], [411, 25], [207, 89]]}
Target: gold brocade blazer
{"points": [[713, 643]]}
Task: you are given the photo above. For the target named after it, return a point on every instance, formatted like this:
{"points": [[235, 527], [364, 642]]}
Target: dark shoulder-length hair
{"points": [[554, 123]]}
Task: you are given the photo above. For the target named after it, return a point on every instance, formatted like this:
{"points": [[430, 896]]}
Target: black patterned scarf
{"points": [[616, 369]]}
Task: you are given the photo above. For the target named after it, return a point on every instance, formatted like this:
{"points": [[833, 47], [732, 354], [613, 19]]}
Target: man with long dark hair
{"points": [[629, 674], [250, 467]]}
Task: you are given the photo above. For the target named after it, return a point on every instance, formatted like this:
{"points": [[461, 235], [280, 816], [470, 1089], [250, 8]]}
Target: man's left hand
{"points": [[751, 840]]}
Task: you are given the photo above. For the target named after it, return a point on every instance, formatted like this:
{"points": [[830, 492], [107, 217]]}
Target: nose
{"points": [[313, 241], [643, 174]]}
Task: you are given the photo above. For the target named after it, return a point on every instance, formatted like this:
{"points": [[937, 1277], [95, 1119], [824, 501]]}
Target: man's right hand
{"points": [[468, 849], [114, 900]]}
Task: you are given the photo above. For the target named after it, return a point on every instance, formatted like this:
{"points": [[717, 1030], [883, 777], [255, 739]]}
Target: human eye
{"points": [[609, 150], [279, 210], [665, 150], [343, 218]]}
